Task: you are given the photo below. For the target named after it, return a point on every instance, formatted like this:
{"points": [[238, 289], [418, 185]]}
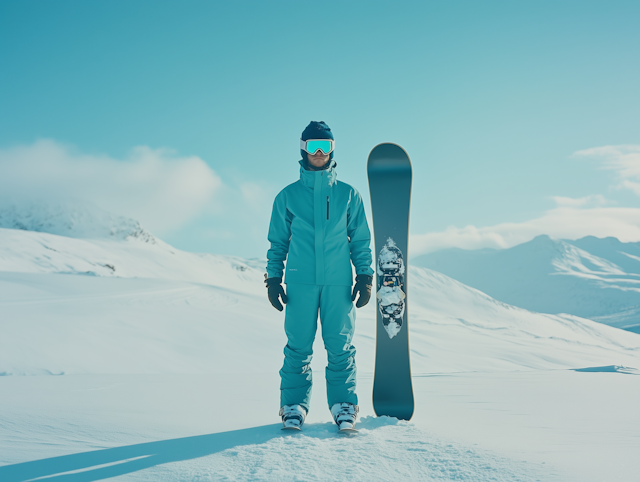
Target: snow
{"points": [[538, 425], [69, 217], [34, 252], [390, 297], [390, 257], [223, 311], [168, 370], [592, 278], [199, 446]]}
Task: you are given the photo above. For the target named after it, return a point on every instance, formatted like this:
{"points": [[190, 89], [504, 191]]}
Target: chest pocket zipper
{"points": [[327, 208]]}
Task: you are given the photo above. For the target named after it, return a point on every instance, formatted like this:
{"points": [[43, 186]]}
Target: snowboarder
{"points": [[319, 226]]}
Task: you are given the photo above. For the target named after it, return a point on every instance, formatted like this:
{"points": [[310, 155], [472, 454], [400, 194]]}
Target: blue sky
{"points": [[521, 117]]}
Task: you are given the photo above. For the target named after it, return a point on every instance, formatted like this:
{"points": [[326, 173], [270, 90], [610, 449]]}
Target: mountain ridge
{"points": [[72, 218], [594, 278]]}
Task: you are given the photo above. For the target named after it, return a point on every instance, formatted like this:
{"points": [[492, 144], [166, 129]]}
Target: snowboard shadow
{"points": [[106, 463]]}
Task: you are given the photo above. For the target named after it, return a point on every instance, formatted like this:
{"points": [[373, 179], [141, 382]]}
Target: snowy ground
{"points": [[173, 376], [555, 425]]}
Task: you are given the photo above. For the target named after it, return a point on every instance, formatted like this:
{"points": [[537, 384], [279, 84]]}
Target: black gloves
{"points": [[363, 286], [275, 290]]}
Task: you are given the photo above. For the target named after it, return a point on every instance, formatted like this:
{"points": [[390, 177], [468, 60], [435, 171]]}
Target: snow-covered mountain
{"points": [[72, 237], [70, 217], [447, 317], [592, 278], [33, 252]]}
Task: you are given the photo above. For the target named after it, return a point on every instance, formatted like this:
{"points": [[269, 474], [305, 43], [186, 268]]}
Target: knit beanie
{"points": [[315, 130]]}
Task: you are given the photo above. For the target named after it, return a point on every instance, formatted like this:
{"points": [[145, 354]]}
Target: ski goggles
{"points": [[314, 145]]}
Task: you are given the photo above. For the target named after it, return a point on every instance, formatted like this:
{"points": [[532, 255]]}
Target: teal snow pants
{"points": [[337, 318]]}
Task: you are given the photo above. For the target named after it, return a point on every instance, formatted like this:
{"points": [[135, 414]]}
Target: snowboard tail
{"points": [[389, 172]]}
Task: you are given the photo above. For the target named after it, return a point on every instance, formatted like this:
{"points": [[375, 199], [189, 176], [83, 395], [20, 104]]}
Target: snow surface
{"points": [[171, 359], [593, 278], [34, 252], [224, 299]]}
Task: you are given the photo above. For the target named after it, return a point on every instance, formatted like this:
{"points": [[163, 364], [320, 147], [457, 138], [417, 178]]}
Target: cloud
{"points": [[257, 196], [154, 186], [623, 159], [587, 201], [632, 186], [570, 219]]}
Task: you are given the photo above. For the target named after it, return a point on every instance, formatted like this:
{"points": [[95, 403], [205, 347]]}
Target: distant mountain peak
{"points": [[597, 278], [607, 241], [72, 218], [543, 237]]}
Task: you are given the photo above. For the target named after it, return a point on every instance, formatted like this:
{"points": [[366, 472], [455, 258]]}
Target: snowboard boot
{"points": [[345, 415], [293, 416]]}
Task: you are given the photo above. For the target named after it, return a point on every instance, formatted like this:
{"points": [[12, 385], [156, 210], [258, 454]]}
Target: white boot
{"points": [[345, 415], [293, 416]]}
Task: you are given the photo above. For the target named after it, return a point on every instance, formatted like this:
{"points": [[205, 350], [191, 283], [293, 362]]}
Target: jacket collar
{"points": [[328, 177]]}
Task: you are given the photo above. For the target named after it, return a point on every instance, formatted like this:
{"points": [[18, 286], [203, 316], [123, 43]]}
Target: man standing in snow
{"points": [[319, 224]]}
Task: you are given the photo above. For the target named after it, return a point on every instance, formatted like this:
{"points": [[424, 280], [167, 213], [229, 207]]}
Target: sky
{"points": [[520, 118]]}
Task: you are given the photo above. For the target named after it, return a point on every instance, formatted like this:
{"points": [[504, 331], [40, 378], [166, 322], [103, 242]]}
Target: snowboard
{"points": [[389, 172]]}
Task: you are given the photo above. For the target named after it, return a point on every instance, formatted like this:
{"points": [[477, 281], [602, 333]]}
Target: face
{"points": [[318, 159]]}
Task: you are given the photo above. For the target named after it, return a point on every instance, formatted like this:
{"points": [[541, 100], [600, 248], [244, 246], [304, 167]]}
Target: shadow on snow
{"points": [[102, 464]]}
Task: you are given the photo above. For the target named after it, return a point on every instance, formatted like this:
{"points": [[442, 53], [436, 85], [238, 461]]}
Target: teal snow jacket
{"points": [[318, 225]]}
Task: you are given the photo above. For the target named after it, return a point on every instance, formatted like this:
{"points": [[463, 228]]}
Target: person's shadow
{"points": [[102, 464]]}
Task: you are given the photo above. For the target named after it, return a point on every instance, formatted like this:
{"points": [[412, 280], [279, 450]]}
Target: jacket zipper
{"points": [[327, 208]]}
